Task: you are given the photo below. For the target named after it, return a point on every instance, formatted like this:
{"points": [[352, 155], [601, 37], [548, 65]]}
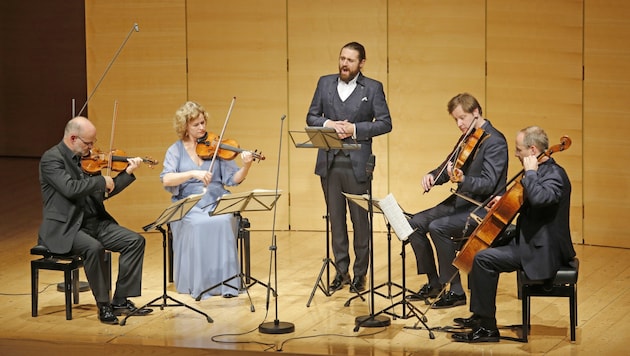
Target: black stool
{"points": [[69, 264], [564, 284]]}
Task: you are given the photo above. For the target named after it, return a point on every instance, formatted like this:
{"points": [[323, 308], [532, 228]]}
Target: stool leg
{"points": [[573, 313], [67, 285], [75, 286], [34, 288]]}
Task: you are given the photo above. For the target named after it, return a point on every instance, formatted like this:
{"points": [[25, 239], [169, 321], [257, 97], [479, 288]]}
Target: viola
{"points": [[96, 161], [228, 149], [499, 216], [465, 150]]}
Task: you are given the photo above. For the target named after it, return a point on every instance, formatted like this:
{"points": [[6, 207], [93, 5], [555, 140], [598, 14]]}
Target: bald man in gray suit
{"points": [[356, 107]]}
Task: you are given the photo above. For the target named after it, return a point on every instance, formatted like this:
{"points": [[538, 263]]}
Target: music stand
{"points": [[255, 200], [322, 138], [403, 230], [174, 212], [394, 215]]}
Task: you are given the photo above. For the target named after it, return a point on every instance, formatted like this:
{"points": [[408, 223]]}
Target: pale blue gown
{"points": [[204, 247]]}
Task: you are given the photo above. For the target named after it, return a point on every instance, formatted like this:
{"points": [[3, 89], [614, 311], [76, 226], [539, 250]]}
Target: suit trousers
{"points": [[92, 241], [341, 179], [484, 277]]}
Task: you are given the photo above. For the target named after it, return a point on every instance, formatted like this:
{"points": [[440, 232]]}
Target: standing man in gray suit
{"points": [[75, 220], [356, 107]]}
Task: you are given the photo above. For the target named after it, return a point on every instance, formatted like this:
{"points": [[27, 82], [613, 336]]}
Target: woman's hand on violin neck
{"points": [[133, 164], [247, 158]]}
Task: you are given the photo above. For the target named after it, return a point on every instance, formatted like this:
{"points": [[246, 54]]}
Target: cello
{"points": [[499, 216]]}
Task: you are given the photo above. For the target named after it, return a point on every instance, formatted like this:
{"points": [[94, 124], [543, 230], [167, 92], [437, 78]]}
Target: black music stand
{"points": [[395, 216], [174, 212], [255, 200], [322, 138], [363, 201]]}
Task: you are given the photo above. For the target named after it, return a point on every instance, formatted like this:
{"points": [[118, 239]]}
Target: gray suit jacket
{"points": [[65, 190], [370, 116]]}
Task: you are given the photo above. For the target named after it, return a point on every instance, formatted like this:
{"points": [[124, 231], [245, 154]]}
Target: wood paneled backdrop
{"points": [[563, 65]]}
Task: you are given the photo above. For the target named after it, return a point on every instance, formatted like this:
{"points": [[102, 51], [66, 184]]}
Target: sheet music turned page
{"points": [[395, 217]]}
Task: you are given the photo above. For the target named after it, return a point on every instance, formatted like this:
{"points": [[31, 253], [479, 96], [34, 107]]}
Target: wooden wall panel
{"points": [[238, 49], [316, 32], [534, 55], [606, 124], [148, 80], [436, 50]]}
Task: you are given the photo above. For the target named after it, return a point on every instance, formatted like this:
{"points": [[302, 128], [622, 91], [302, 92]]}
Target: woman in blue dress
{"points": [[204, 246]]}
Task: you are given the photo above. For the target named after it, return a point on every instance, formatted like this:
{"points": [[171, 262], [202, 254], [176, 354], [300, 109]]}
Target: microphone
{"points": [[283, 117], [369, 166], [135, 27]]}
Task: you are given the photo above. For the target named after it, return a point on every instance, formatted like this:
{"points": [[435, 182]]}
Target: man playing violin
{"points": [[482, 174], [542, 242], [75, 219]]}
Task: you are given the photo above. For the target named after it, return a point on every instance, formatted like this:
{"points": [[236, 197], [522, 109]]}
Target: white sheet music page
{"points": [[395, 217]]}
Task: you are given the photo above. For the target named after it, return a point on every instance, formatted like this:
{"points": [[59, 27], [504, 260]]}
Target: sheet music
{"points": [[395, 217]]}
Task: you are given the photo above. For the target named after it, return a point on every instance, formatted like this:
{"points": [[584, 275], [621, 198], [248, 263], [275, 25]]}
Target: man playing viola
{"points": [[478, 177], [543, 238]]}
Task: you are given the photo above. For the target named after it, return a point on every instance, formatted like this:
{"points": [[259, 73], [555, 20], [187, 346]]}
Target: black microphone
{"points": [[369, 166]]}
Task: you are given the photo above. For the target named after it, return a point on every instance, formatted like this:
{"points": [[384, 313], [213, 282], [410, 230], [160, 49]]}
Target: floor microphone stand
{"points": [[371, 320], [276, 326]]}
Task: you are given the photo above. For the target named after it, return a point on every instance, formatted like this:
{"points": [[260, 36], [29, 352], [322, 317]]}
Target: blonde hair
{"points": [[189, 111]]}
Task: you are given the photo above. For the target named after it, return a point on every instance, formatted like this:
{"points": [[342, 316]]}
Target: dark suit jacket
{"points": [[544, 240], [371, 118], [65, 190], [485, 173]]}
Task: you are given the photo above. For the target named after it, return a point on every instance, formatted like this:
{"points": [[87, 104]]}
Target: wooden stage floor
{"points": [[326, 327]]}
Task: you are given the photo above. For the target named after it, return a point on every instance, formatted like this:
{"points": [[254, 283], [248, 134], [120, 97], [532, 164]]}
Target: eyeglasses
{"points": [[91, 143]]}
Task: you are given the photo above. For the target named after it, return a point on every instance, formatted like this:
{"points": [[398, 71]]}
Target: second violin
{"points": [[228, 149]]}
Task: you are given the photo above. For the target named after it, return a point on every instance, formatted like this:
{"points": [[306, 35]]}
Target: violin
{"points": [[96, 160], [499, 216], [228, 149]]}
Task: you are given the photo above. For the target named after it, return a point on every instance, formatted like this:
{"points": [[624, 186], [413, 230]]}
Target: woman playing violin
{"points": [[204, 246], [543, 238], [478, 176]]}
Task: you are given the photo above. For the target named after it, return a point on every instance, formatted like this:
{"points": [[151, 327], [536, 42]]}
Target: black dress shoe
{"points": [[339, 281], [106, 314], [479, 334], [449, 300], [471, 322], [128, 307], [427, 291], [358, 284]]}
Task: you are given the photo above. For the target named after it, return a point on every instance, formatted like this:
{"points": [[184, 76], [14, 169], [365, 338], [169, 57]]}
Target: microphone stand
{"points": [[371, 320], [276, 326]]}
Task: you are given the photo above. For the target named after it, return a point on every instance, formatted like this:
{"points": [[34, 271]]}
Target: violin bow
{"points": [[133, 29], [227, 118]]}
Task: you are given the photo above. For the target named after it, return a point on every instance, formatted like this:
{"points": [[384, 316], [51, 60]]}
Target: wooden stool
{"points": [[564, 284], [69, 264]]}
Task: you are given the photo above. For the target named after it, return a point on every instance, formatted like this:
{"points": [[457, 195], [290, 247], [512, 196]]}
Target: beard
{"points": [[346, 74]]}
